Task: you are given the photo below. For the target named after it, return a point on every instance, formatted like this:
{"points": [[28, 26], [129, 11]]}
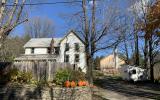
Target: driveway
{"points": [[113, 88]]}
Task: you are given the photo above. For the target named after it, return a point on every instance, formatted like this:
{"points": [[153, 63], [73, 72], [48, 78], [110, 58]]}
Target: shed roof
{"points": [[42, 42]]}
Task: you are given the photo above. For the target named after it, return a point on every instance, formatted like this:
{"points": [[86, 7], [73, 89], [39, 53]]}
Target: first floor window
{"points": [[76, 57], [66, 59], [32, 50]]}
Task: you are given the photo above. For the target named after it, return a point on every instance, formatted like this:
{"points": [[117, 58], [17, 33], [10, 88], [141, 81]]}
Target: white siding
{"points": [[72, 39], [36, 51], [40, 50], [27, 50]]}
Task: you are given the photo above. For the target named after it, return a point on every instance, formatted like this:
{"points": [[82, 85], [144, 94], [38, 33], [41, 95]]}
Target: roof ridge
{"points": [[47, 38]]}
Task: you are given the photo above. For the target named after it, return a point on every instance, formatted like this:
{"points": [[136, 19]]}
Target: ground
{"points": [[113, 88]]}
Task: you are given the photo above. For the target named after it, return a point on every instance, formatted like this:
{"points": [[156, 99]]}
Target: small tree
{"points": [[39, 27]]}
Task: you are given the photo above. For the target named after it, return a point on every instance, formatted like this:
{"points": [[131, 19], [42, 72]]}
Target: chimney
{"points": [[52, 46]]}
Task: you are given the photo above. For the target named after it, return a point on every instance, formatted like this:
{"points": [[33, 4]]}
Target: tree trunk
{"points": [[151, 60], [136, 49], [92, 44], [126, 51], [87, 51], [145, 54]]}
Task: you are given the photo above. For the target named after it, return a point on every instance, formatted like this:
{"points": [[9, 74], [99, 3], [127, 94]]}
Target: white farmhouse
{"points": [[69, 49]]}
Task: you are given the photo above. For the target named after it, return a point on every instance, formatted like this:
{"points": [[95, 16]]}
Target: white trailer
{"points": [[132, 73]]}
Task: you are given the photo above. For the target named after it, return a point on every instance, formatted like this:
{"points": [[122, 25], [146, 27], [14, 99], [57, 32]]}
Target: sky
{"points": [[55, 13]]}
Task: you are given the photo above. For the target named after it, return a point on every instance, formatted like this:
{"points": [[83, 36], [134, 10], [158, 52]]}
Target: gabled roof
{"points": [[72, 31], [45, 42], [42, 42]]}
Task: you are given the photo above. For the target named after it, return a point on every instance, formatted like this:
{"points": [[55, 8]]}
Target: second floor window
{"points": [[32, 50], [57, 49], [76, 57], [66, 59], [67, 47], [49, 50], [76, 47]]}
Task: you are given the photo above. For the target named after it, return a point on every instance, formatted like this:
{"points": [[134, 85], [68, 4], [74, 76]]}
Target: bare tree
{"points": [[150, 42], [39, 27], [148, 27], [97, 34], [126, 38], [12, 47], [10, 16]]}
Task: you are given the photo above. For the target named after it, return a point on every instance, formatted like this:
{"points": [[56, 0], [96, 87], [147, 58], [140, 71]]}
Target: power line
{"points": [[46, 3], [49, 3]]}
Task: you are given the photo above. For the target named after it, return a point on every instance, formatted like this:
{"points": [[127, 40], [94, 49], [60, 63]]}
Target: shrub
{"points": [[97, 74], [14, 75], [25, 77], [64, 75], [61, 76], [77, 75]]}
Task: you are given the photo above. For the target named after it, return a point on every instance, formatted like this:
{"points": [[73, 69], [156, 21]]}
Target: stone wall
{"points": [[28, 92]]}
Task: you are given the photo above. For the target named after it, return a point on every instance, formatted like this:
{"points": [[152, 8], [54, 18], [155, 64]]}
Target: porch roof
{"points": [[36, 57]]}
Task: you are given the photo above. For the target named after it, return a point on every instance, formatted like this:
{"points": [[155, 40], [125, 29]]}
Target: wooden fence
{"points": [[40, 69]]}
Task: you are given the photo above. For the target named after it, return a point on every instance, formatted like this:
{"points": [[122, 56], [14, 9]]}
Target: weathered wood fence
{"points": [[41, 70]]}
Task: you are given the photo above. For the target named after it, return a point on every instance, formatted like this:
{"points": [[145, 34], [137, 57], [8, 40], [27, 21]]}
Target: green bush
{"points": [[77, 75], [25, 77], [14, 75], [97, 74], [63, 75]]}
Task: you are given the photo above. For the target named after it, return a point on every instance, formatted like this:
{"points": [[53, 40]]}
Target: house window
{"points": [[57, 50], [32, 50], [76, 57], [67, 47], [66, 58], [49, 50], [76, 47]]}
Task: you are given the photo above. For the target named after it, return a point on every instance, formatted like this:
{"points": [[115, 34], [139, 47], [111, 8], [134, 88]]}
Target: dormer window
{"points": [[67, 47], [32, 50], [76, 46]]}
